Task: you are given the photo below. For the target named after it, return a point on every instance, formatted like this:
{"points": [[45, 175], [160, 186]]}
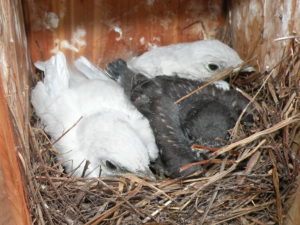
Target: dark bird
{"points": [[204, 118]]}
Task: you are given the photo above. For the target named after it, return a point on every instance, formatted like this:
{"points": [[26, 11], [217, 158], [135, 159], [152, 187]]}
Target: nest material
{"points": [[249, 185]]}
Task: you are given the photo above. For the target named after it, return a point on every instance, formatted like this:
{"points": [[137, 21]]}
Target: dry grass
{"points": [[250, 186]]}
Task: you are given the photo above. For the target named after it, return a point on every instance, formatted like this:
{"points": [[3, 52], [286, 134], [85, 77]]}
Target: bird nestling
{"points": [[197, 60], [107, 130], [203, 118]]}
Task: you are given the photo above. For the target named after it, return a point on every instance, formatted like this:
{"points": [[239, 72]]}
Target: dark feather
{"points": [[203, 118]]}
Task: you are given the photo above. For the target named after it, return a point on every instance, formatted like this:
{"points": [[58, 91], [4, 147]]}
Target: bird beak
{"points": [[146, 174], [244, 69]]}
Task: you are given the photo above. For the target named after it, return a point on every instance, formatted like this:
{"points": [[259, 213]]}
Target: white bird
{"points": [[197, 60], [89, 118]]}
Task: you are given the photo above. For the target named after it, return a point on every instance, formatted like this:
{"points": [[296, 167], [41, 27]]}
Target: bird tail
{"points": [[56, 80], [89, 70], [56, 72], [52, 98]]}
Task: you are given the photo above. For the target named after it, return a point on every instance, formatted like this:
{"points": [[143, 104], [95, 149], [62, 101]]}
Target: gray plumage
{"points": [[202, 118]]}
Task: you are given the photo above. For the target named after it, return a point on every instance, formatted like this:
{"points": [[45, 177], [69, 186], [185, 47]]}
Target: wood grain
{"points": [[255, 26], [14, 117], [12, 201], [103, 30], [118, 28]]}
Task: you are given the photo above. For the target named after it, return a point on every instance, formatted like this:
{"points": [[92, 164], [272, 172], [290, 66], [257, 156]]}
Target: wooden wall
{"points": [[14, 73], [264, 28], [103, 30]]}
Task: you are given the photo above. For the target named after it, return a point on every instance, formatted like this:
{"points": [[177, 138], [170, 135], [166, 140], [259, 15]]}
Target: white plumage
{"points": [[111, 134], [198, 60]]}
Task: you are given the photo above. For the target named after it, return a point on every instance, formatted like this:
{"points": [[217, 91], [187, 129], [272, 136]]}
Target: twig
{"points": [[107, 213], [104, 215], [215, 78], [44, 167], [234, 130], [161, 208], [243, 211], [185, 167], [214, 195], [196, 146], [286, 38], [251, 163], [157, 211], [64, 133], [145, 183], [253, 137], [220, 175], [39, 196], [124, 199], [209, 82], [276, 187]]}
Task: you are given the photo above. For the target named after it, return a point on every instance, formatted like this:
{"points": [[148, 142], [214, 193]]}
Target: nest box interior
{"points": [[104, 30]]}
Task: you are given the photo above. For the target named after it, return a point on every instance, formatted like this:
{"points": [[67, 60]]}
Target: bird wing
{"points": [[89, 70], [55, 103]]}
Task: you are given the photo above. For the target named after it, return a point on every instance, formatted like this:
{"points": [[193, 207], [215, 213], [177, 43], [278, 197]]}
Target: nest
{"points": [[250, 184]]}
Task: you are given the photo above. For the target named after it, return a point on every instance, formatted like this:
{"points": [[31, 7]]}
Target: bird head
{"points": [[207, 58], [113, 147]]}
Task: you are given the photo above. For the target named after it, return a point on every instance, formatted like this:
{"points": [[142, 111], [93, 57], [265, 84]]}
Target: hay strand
{"points": [[249, 184]]}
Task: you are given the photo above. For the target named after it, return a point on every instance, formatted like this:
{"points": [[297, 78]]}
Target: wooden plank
{"points": [[118, 28], [13, 208], [14, 74], [255, 26]]}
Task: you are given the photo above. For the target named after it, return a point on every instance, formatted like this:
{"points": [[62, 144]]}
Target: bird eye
{"points": [[213, 66], [110, 165]]}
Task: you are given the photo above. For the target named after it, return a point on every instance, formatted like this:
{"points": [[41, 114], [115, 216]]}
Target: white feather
{"points": [[109, 128], [187, 60]]}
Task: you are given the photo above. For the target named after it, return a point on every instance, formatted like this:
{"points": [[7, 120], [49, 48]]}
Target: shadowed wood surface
{"points": [[13, 208]]}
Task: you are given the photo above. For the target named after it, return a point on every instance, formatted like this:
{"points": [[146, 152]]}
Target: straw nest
{"points": [[250, 184]]}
